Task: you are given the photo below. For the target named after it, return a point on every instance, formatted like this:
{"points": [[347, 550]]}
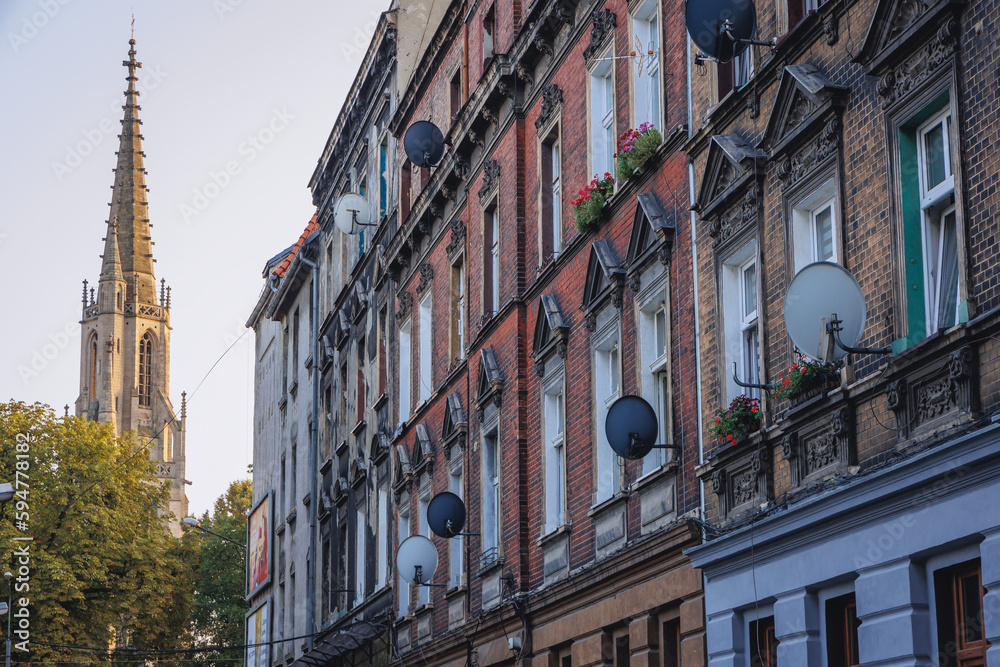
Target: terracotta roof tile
{"points": [[310, 228]]}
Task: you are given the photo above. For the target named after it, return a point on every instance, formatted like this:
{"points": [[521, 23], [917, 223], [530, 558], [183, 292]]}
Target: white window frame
{"points": [[555, 187], [602, 115], [359, 551], [654, 366], [936, 207], [491, 221], [740, 326], [804, 226], [382, 538], [553, 400], [647, 94], [491, 507], [405, 371], [404, 532], [607, 389], [456, 545], [423, 592], [458, 305], [425, 379]]}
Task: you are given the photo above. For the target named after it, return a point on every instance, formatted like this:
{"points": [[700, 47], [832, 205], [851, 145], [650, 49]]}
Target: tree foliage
{"points": [[220, 597], [104, 570]]}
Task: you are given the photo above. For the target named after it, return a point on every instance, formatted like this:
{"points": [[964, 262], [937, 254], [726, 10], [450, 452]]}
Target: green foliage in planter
{"points": [[587, 207], [739, 419], [802, 376], [635, 147]]}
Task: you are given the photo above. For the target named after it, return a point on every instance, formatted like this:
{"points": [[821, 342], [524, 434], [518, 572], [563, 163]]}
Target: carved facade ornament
{"points": [[559, 13], [524, 74], [491, 177], [895, 396], [405, 304], [604, 21], [426, 277], [907, 13], [718, 481], [726, 177], [489, 115], [507, 89], [820, 452], [831, 28], [743, 487], [543, 45], [899, 81], [552, 97], [800, 109], [634, 283], [477, 138], [790, 446], [461, 167], [457, 240], [794, 168], [736, 218], [753, 105]]}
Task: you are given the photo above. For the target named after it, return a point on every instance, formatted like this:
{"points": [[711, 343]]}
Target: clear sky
{"points": [[252, 85]]}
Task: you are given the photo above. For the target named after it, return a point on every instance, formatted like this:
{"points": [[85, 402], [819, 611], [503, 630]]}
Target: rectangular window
{"points": [[404, 372], [551, 198], [739, 294], [383, 178], [284, 489], [553, 400], [672, 643], [401, 585], [655, 372], [362, 384], [958, 593], [489, 32], [295, 344], [602, 118], [763, 643], [491, 260], [491, 495], [340, 574], [343, 415], [931, 226], [814, 227], [405, 190], [423, 592], [359, 553], [425, 379], [456, 545], [646, 67], [382, 317], [455, 96], [734, 74], [842, 632], [292, 485], [623, 654], [457, 336], [607, 374], [382, 538]]}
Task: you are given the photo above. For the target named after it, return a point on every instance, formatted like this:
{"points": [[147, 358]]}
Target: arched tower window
{"points": [[93, 367], [145, 370]]}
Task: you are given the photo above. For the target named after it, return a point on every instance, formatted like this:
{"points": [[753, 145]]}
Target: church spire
{"points": [[111, 267], [129, 207]]}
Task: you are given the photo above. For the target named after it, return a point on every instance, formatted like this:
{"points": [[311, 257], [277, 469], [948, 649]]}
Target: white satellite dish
{"points": [[352, 213], [417, 560], [820, 293]]}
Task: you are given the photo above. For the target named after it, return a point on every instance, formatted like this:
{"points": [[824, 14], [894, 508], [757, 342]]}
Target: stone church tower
{"points": [[125, 359]]}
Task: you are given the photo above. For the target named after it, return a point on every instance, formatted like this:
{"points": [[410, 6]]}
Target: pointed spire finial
{"points": [[84, 292], [184, 404], [66, 407]]}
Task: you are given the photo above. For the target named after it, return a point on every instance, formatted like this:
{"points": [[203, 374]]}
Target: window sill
{"points": [[555, 533], [290, 519], [280, 528], [293, 389], [380, 401], [607, 503], [455, 591], [489, 567], [423, 609], [653, 476], [358, 427]]}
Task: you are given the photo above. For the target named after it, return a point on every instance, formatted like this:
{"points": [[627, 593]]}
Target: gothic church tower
{"points": [[125, 359]]}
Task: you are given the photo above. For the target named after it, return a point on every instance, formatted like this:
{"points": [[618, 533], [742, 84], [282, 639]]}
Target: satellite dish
{"points": [[352, 213], [416, 560], [817, 293], [721, 28], [424, 143], [446, 514], [631, 427]]}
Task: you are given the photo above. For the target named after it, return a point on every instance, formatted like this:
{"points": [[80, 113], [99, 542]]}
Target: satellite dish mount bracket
{"points": [[454, 534], [748, 385], [833, 328], [636, 443], [727, 30], [418, 577]]}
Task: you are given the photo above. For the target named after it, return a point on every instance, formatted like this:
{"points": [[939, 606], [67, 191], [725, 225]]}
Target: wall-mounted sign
{"points": [[258, 634], [260, 525]]}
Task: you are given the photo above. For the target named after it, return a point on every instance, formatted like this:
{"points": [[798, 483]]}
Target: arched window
{"points": [[93, 366], [145, 370]]}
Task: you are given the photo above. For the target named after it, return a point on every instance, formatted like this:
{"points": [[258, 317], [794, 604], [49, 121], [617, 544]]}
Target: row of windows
{"points": [[145, 379]]}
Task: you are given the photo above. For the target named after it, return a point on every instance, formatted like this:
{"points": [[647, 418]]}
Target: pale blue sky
{"points": [[215, 73]]}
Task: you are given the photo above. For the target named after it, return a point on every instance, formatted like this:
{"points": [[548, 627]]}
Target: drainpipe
{"points": [[314, 466]]}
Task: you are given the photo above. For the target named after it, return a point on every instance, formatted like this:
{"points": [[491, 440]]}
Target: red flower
{"points": [[803, 369], [787, 382], [717, 420]]}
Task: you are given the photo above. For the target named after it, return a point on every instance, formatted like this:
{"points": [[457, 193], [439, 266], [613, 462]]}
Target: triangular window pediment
{"points": [[403, 466], [358, 471], [604, 272], [898, 26], [550, 326], [454, 418], [731, 162], [423, 448], [488, 381], [650, 224], [804, 96]]}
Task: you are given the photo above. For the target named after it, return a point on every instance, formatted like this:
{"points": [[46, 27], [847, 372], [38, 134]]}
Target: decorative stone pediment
{"points": [[341, 490], [653, 230], [455, 425], [403, 469], [551, 330], [603, 24], [804, 97], [605, 277], [552, 97], [423, 450], [812, 154], [344, 327], [730, 165], [358, 471], [489, 381], [729, 223], [378, 447], [457, 239], [901, 28], [491, 178]]}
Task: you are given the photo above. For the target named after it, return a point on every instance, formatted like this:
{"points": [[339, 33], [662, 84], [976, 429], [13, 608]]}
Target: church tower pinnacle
{"points": [[125, 358]]}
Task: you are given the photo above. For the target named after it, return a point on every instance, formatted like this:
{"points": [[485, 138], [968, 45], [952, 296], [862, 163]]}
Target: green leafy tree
{"points": [[220, 595], [104, 570]]}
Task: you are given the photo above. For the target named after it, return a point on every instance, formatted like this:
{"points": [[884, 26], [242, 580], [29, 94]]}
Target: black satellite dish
{"points": [[631, 427], [424, 143], [723, 29], [446, 514]]}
